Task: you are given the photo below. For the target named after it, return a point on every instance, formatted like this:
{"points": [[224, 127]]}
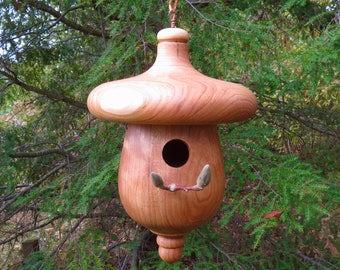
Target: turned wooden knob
{"points": [[170, 248]]}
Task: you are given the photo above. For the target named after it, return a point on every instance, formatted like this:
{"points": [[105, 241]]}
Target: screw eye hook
{"points": [[202, 181], [172, 13]]}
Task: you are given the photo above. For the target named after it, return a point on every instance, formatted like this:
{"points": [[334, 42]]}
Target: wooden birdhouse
{"points": [[171, 175]]}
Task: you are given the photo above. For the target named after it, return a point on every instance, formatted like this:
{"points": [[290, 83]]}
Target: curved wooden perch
{"points": [[202, 181]]}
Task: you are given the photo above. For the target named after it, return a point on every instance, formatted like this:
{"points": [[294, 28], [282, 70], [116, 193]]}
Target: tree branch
{"points": [[17, 186], [37, 183], [68, 235], [61, 17], [312, 125], [30, 229], [38, 153], [48, 94], [219, 249], [310, 260], [306, 122]]}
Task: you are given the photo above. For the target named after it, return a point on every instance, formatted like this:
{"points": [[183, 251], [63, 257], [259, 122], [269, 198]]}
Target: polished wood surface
{"points": [[170, 214], [171, 140], [172, 92]]}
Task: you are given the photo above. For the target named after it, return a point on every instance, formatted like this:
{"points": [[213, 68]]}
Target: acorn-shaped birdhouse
{"points": [[171, 175]]}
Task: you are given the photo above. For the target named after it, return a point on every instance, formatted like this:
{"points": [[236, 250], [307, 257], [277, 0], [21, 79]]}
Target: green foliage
{"points": [[272, 180], [37, 260], [87, 253], [58, 165], [261, 181]]}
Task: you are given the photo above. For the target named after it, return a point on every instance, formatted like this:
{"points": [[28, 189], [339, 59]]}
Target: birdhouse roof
{"points": [[172, 92]]}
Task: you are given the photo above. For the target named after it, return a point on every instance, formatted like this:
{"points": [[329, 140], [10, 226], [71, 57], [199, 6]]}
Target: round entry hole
{"points": [[175, 153]]}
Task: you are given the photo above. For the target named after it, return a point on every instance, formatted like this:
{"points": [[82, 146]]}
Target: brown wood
{"points": [[172, 111], [170, 214], [172, 92]]}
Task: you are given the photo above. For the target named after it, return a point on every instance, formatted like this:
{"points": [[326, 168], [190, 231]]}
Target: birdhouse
{"points": [[171, 175]]}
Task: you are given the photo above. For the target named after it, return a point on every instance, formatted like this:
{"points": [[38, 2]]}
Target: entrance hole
{"points": [[175, 153]]}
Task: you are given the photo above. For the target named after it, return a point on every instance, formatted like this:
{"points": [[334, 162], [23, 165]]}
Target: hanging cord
{"points": [[172, 13]]}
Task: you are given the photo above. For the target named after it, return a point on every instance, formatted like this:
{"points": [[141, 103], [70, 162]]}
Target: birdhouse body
{"points": [[178, 154], [171, 175]]}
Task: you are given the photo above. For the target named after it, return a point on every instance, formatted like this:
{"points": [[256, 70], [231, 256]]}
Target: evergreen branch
{"points": [[17, 186], [51, 95], [310, 260], [68, 235], [215, 246], [38, 153], [114, 245], [312, 125], [71, 231], [28, 229], [211, 21], [61, 17], [306, 122], [259, 176], [37, 183]]}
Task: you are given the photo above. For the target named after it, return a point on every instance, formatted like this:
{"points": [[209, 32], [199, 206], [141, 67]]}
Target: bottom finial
{"points": [[170, 248]]}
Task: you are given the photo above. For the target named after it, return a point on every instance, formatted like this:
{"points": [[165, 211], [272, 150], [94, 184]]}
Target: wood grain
{"points": [[172, 92], [165, 212], [172, 110]]}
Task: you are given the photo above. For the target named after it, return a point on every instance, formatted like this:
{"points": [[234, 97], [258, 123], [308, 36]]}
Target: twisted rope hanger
{"points": [[172, 13]]}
